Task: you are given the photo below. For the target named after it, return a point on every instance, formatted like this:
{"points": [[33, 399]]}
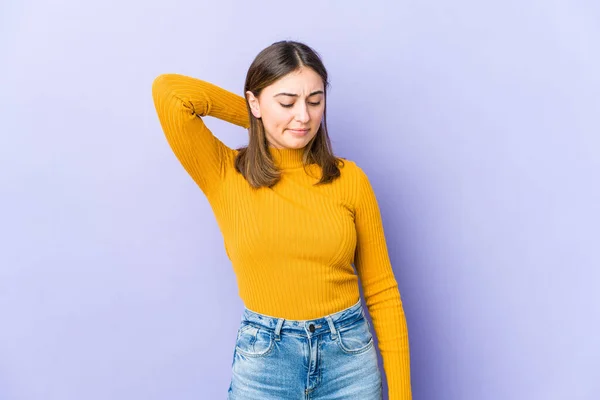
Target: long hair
{"points": [[254, 162]]}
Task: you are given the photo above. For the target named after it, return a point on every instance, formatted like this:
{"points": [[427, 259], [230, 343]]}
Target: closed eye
{"points": [[292, 105]]}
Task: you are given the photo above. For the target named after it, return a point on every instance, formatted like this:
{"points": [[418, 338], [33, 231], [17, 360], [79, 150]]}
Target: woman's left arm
{"points": [[381, 292]]}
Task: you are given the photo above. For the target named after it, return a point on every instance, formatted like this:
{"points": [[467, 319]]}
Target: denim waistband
{"points": [[310, 327]]}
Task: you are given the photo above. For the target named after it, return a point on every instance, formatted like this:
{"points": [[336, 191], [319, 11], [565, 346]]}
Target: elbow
{"points": [[160, 84], [163, 87]]}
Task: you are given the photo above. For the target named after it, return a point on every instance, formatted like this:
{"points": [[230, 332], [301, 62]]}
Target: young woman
{"points": [[295, 220]]}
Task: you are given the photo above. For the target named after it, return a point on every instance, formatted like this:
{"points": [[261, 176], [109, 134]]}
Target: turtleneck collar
{"points": [[287, 158]]}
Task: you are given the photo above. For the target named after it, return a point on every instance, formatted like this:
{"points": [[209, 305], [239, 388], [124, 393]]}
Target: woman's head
{"points": [[291, 108], [286, 90]]}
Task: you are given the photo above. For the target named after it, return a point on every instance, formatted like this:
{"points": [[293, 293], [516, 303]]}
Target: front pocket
{"points": [[253, 341], [355, 338]]}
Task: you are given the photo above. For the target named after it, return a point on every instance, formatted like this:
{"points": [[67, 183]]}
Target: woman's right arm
{"points": [[181, 102]]}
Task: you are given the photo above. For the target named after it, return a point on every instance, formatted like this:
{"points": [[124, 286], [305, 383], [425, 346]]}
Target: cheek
{"points": [[276, 118], [283, 118], [316, 117]]}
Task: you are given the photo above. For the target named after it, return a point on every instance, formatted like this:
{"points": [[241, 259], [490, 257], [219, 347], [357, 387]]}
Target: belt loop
{"points": [[331, 327], [278, 329]]}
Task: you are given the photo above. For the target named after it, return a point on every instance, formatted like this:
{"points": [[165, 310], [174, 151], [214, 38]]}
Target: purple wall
{"points": [[478, 123]]}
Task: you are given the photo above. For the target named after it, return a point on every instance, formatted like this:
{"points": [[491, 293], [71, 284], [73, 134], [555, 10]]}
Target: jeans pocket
{"points": [[253, 341], [355, 338]]}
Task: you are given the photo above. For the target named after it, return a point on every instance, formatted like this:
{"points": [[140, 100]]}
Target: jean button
{"points": [[311, 328]]}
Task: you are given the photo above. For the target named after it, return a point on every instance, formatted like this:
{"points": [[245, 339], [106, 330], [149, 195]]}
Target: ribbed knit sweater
{"points": [[292, 246]]}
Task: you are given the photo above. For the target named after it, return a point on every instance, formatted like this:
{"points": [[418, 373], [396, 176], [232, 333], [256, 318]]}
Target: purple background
{"points": [[477, 122]]}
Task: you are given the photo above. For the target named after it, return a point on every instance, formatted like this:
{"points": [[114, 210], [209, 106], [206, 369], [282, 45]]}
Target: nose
{"points": [[302, 114]]}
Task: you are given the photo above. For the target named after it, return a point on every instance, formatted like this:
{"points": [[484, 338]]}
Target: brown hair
{"points": [[254, 162]]}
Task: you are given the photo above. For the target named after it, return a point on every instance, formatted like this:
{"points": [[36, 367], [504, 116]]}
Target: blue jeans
{"points": [[327, 358]]}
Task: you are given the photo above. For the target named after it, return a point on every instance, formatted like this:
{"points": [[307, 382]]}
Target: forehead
{"points": [[303, 81]]}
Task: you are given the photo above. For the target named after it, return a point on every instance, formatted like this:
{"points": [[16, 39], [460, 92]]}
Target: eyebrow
{"points": [[295, 95]]}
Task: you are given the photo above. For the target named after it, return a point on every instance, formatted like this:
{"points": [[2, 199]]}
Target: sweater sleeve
{"points": [[180, 103], [381, 292]]}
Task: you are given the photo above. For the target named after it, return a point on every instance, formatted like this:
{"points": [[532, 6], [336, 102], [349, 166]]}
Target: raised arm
{"points": [[181, 102], [381, 292]]}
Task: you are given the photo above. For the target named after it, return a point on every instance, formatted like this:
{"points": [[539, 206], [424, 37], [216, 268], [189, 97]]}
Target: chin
{"points": [[295, 145], [297, 142]]}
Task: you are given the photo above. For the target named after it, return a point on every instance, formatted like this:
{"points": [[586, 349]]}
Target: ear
{"points": [[254, 105]]}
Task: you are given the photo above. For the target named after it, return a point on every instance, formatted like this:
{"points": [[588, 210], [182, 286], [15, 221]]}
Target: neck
{"points": [[287, 158]]}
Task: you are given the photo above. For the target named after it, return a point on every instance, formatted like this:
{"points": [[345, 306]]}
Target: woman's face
{"points": [[291, 108]]}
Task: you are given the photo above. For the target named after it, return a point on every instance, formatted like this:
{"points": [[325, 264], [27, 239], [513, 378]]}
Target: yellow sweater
{"points": [[292, 246]]}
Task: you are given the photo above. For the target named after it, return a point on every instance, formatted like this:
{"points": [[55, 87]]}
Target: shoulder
{"points": [[355, 180], [352, 170], [359, 185]]}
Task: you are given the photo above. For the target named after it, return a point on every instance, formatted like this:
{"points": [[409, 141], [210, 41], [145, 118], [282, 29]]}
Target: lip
{"points": [[299, 131]]}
